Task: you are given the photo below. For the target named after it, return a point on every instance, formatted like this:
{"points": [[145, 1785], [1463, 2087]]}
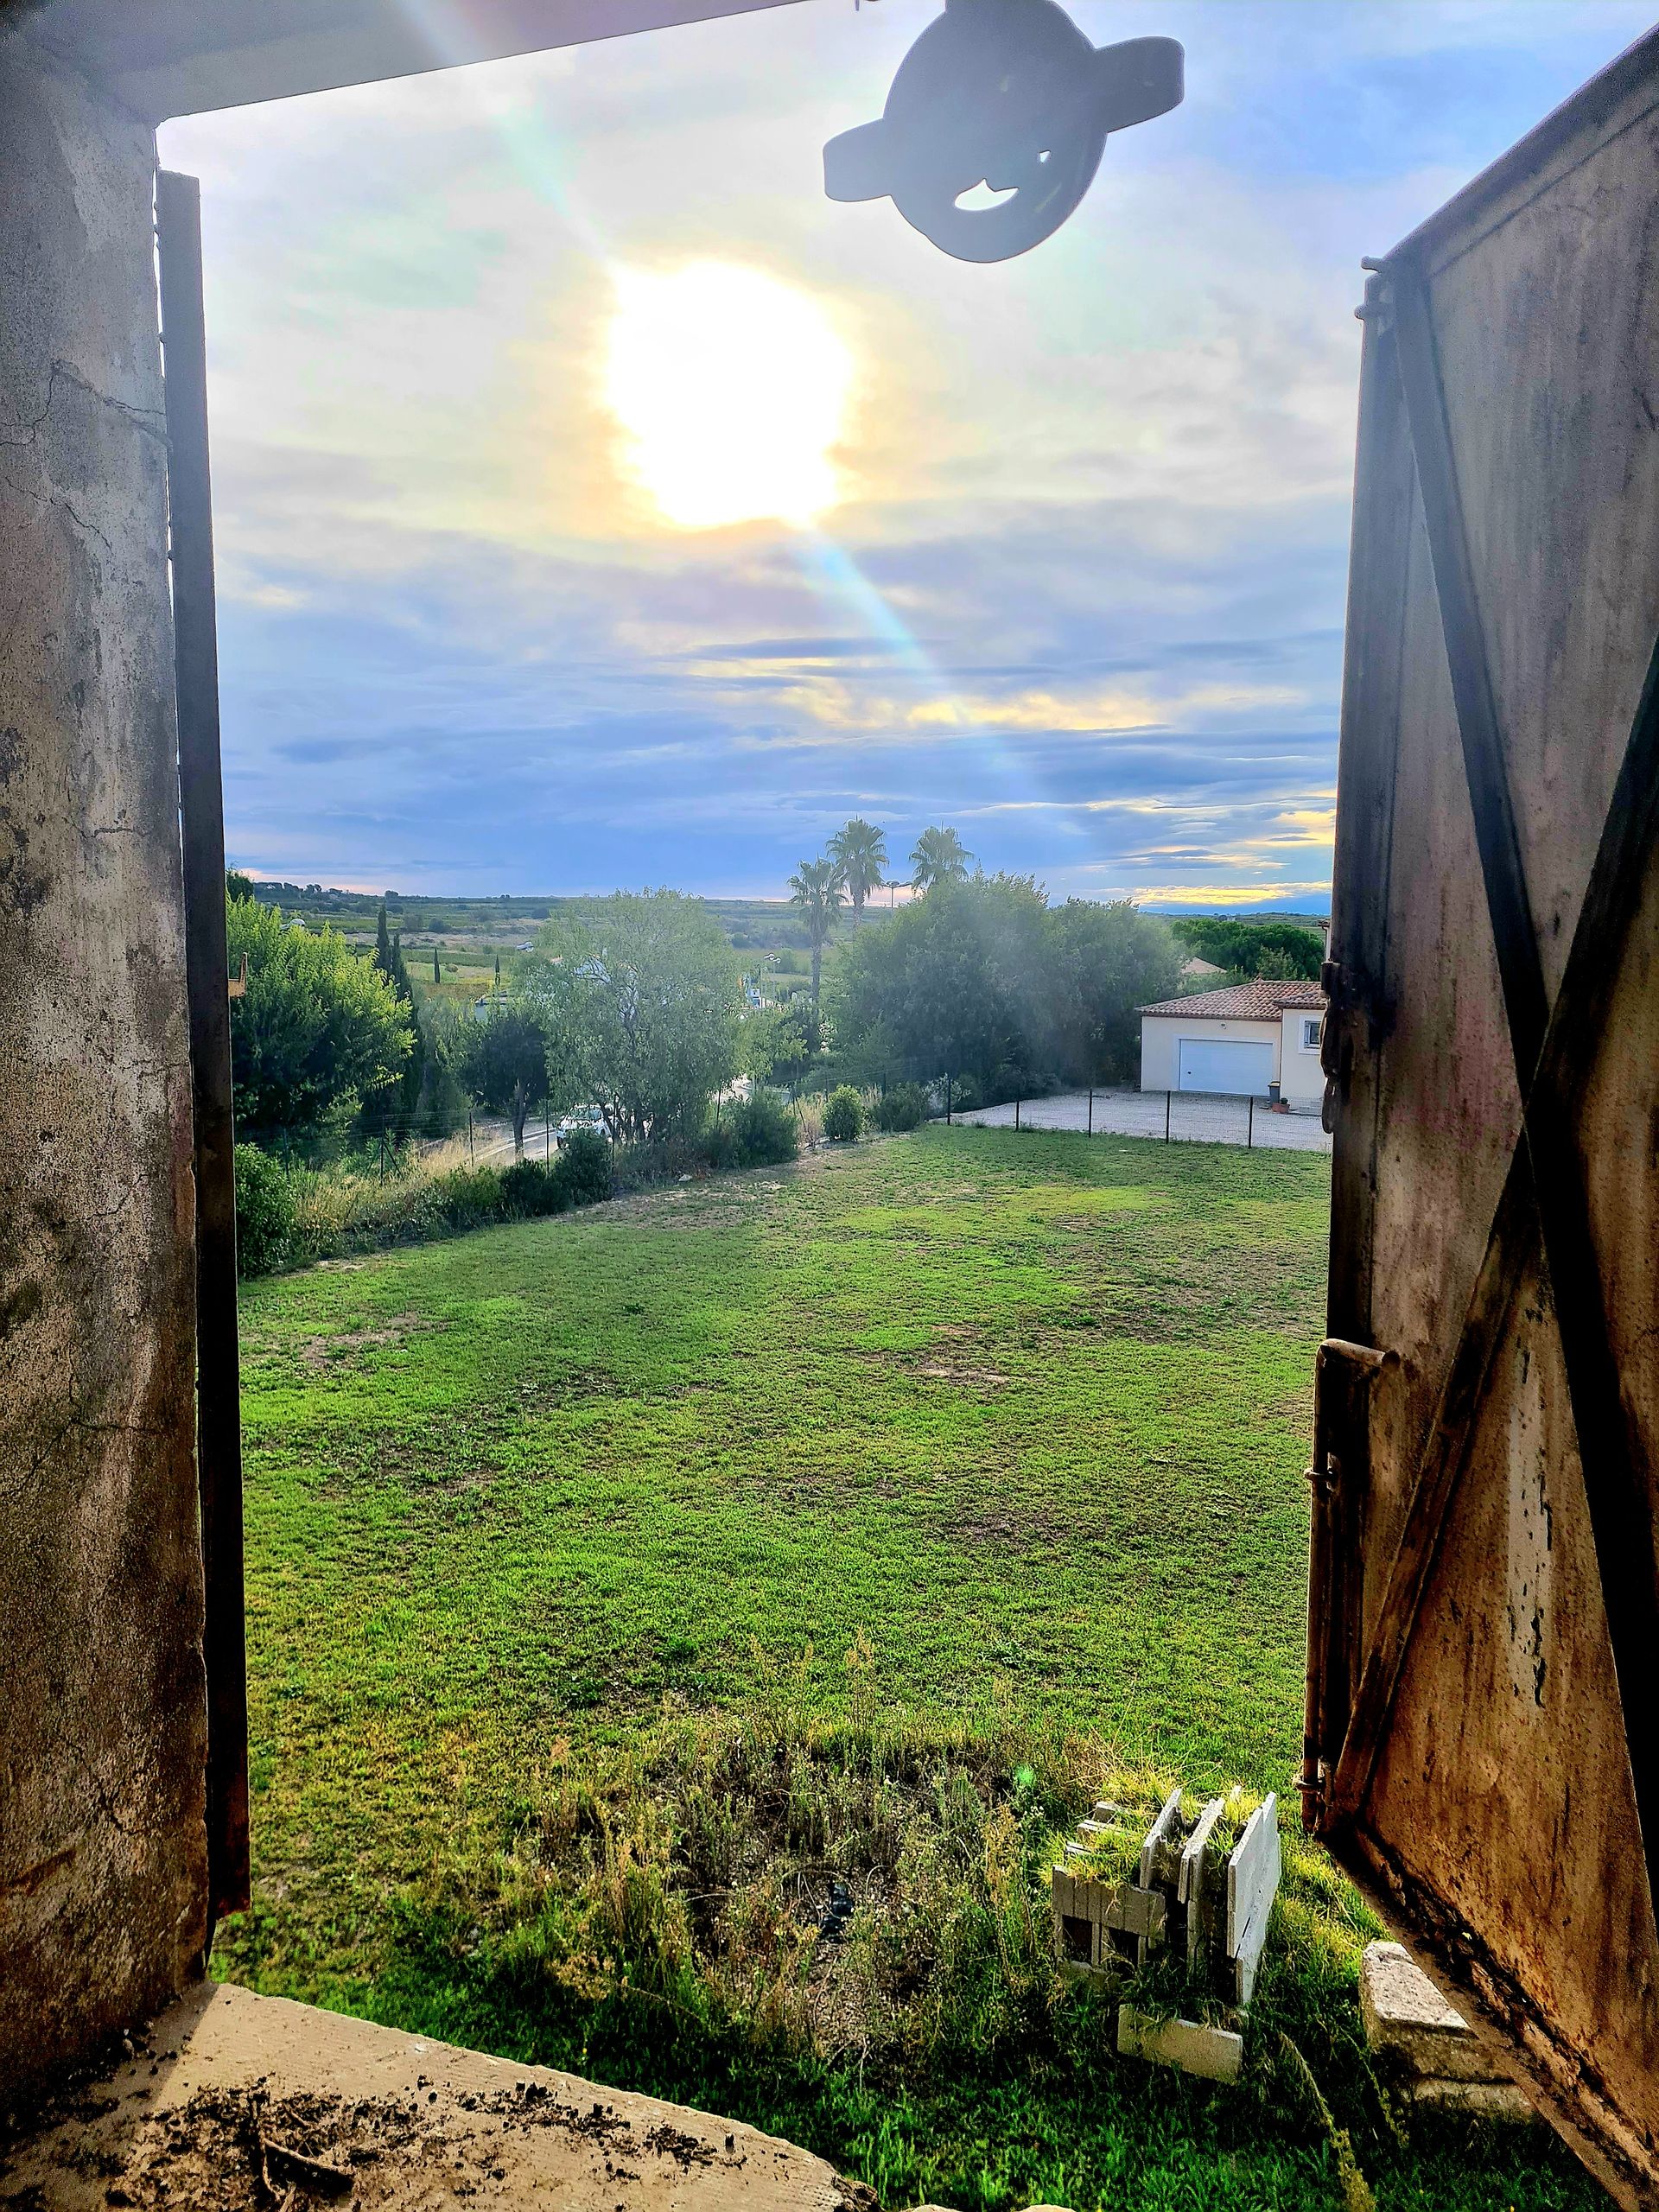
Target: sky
{"points": [[597, 505]]}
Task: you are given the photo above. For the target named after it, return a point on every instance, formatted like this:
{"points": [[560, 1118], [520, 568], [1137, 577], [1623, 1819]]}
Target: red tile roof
{"points": [[1244, 1002]]}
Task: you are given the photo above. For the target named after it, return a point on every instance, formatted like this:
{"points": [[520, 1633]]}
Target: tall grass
{"points": [[294, 1215], [345, 1204], [290, 1216]]}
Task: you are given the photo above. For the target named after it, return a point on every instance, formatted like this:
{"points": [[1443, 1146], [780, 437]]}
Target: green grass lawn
{"points": [[896, 1500]]}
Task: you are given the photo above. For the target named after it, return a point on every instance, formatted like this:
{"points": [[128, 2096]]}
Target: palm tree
{"points": [[816, 888], [860, 851], [940, 856]]}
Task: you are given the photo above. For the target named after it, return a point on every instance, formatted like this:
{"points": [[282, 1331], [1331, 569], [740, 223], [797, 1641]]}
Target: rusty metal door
{"points": [[1483, 1732]]}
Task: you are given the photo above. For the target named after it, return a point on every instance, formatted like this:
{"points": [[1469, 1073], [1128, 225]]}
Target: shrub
{"points": [[470, 1196], [904, 1107], [843, 1116], [965, 1095], [264, 1213], [533, 1187], [720, 1145], [809, 1120], [667, 1160], [759, 1133], [583, 1169]]}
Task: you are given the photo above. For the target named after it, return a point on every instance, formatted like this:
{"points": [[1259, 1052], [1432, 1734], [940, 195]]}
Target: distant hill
{"points": [[1319, 912], [751, 924]]}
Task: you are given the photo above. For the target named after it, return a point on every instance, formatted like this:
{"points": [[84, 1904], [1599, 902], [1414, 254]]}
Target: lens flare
{"points": [[730, 389]]}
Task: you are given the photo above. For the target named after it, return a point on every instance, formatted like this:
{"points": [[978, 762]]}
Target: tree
{"points": [[938, 856], [959, 982], [389, 958], [238, 885], [779, 1044], [446, 1037], [860, 851], [506, 1065], [1275, 965], [1294, 950], [640, 993], [314, 1031], [814, 888], [1108, 961], [392, 1110]]}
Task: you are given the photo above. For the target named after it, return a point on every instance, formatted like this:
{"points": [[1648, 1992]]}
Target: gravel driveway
{"points": [[1195, 1117]]}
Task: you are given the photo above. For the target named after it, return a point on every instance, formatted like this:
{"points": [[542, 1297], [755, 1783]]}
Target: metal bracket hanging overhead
{"points": [[1010, 95]]}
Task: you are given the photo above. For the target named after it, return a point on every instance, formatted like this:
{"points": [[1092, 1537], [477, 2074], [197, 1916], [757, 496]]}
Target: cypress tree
{"points": [[398, 973], [399, 1100]]}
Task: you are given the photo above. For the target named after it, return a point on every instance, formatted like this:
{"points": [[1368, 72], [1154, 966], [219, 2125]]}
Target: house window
{"points": [[1310, 1035]]}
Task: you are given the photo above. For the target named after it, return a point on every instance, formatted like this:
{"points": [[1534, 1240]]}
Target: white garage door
{"points": [[1227, 1064]]}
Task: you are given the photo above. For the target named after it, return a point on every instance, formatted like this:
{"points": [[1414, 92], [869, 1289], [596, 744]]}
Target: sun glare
{"points": [[729, 388]]}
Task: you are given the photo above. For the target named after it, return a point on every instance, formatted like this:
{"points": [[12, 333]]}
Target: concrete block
{"points": [[1405, 2015], [1253, 1874], [1216, 2053], [1139, 1912], [1160, 1853], [1201, 1887], [1504, 2102], [1193, 1849]]}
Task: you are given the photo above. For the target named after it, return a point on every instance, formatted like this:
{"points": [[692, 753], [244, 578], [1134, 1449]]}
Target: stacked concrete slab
{"points": [[1435, 2057], [1188, 1891]]}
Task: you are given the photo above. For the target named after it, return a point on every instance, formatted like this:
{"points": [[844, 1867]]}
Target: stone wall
{"points": [[102, 1724]]}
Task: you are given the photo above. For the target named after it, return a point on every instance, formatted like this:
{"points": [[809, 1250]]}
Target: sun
{"points": [[729, 388]]}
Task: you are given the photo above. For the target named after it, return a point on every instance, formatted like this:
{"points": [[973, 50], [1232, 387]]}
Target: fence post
{"points": [[1090, 1130], [1016, 1113], [947, 1101], [1168, 1094], [1249, 1127]]}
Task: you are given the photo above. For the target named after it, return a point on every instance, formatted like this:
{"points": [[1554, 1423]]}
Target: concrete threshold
{"points": [[252, 2104]]}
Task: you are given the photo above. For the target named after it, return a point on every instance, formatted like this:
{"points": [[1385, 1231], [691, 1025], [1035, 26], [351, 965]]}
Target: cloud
{"points": [[1223, 894], [828, 703], [1084, 593]]}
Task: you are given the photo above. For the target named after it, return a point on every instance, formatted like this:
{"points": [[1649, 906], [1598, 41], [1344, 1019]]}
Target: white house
{"points": [[1240, 1041]]}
